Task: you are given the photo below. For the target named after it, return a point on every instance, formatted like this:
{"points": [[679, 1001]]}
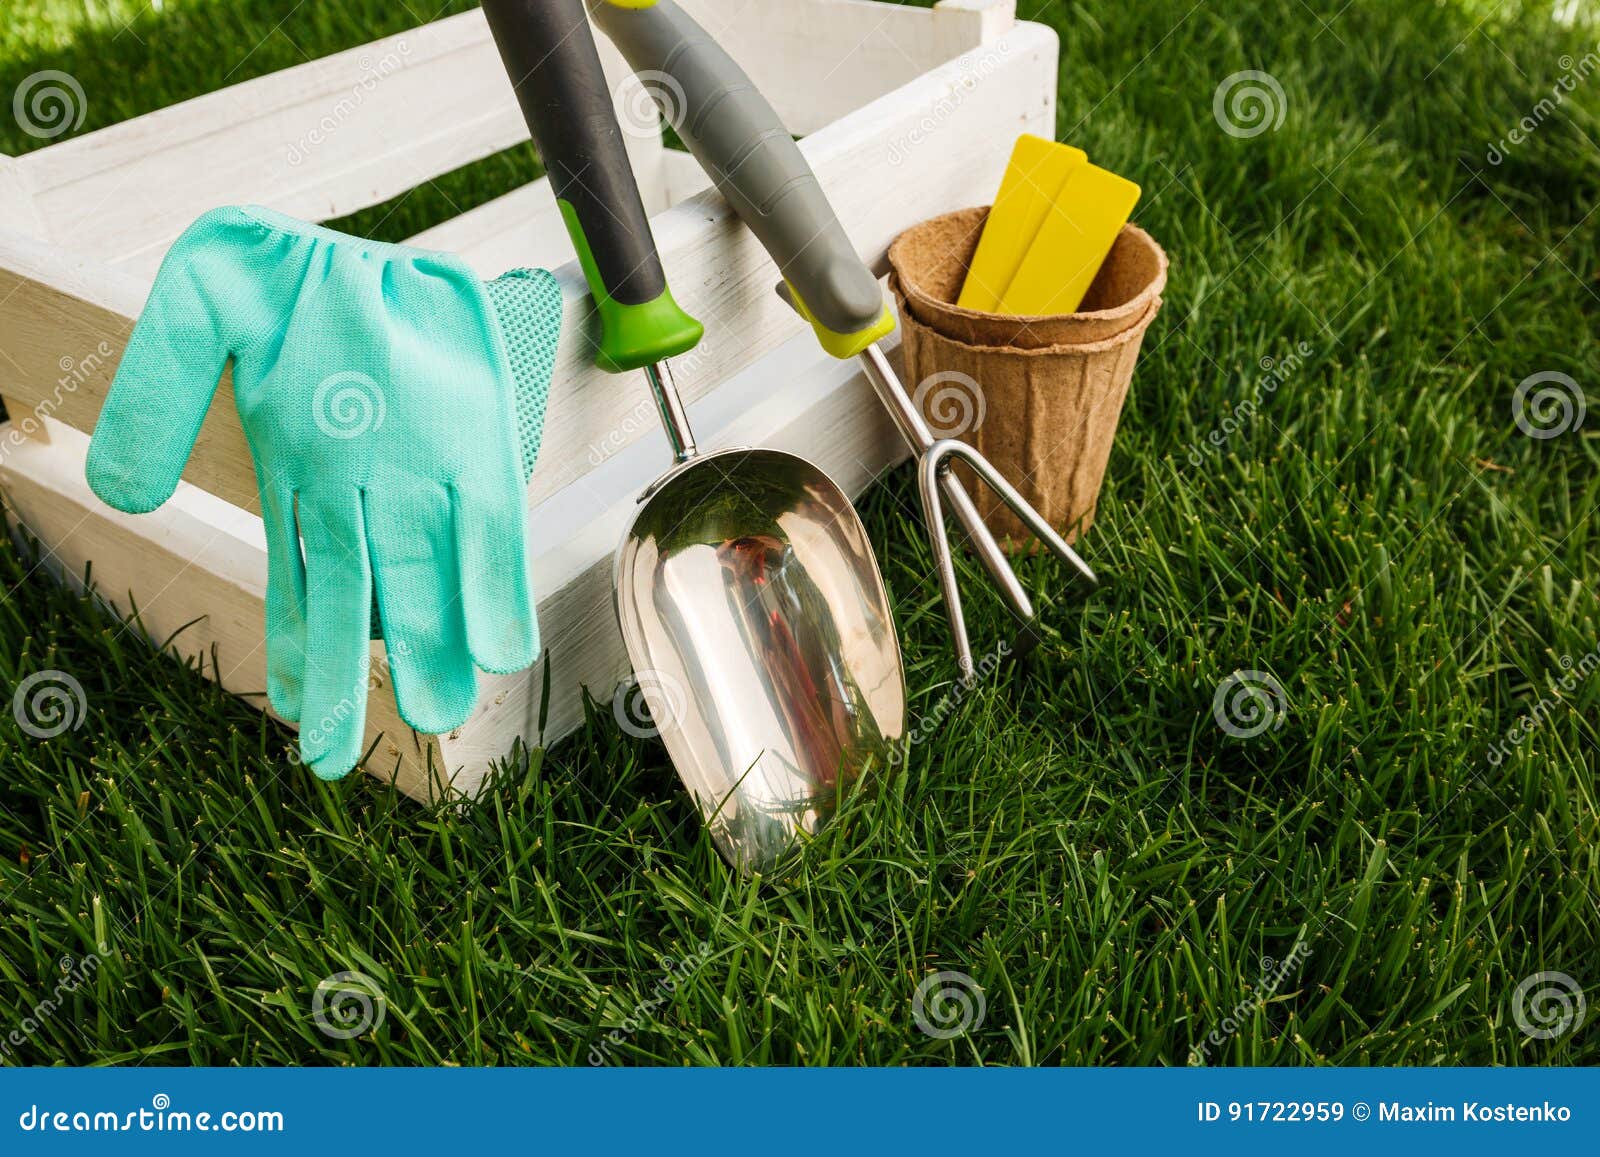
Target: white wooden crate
{"points": [[907, 113]]}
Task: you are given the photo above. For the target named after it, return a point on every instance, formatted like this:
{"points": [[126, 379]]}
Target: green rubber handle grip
{"points": [[550, 55], [738, 139]]}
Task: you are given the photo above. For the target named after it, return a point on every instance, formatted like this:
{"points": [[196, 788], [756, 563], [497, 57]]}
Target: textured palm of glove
{"points": [[376, 392]]}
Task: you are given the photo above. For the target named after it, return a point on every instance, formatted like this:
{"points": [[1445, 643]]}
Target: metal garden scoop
{"points": [[741, 143], [752, 607]]}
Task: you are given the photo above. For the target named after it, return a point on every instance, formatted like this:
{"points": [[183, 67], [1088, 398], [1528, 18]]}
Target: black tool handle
{"points": [[737, 137], [550, 55]]}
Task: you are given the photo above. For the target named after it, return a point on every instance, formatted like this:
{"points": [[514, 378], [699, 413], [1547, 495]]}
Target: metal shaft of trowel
{"points": [[550, 55], [674, 415], [917, 434]]}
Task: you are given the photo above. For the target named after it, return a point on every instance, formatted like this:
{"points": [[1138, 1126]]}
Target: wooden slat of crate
{"points": [[197, 559], [819, 60], [524, 227], [318, 141], [353, 129], [950, 131], [936, 143], [183, 567]]}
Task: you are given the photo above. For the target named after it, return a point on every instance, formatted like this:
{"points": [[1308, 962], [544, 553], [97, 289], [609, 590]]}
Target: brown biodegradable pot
{"points": [[932, 259], [1039, 397]]}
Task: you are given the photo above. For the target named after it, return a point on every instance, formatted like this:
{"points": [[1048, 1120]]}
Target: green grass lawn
{"points": [[1366, 882]]}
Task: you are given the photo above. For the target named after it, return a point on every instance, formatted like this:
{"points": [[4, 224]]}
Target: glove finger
{"points": [[496, 593], [338, 618], [286, 605], [419, 597]]}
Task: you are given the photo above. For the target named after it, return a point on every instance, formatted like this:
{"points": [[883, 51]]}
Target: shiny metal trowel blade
{"points": [[761, 637]]}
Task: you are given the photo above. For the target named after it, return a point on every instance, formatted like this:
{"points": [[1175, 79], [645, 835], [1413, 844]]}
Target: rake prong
{"points": [[928, 467], [933, 475], [984, 544], [1026, 641], [1018, 504]]}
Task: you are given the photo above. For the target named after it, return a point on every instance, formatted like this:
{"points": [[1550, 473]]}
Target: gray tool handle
{"points": [[739, 140]]}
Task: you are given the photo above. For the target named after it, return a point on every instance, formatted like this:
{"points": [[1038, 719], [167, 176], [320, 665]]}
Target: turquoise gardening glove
{"points": [[393, 405]]}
